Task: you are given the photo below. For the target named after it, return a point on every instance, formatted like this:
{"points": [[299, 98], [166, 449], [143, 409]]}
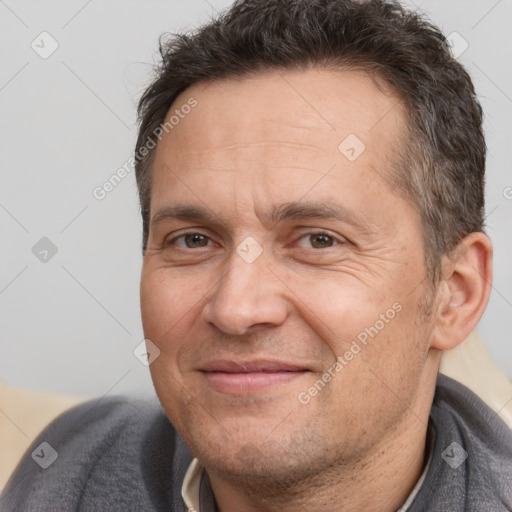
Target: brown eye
{"points": [[317, 241], [196, 240], [191, 241], [320, 241]]}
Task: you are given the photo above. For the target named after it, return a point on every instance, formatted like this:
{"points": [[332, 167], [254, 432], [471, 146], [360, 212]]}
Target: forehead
{"points": [[292, 127], [319, 105]]}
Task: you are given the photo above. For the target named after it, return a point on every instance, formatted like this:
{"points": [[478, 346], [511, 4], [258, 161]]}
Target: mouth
{"points": [[245, 377]]}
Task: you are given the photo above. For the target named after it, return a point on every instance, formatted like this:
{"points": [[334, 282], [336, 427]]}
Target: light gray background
{"points": [[68, 123]]}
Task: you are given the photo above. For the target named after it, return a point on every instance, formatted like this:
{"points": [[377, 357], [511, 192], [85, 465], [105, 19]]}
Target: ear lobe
{"points": [[463, 292]]}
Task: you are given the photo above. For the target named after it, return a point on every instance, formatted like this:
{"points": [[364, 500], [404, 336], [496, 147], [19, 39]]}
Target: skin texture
{"points": [[252, 146]]}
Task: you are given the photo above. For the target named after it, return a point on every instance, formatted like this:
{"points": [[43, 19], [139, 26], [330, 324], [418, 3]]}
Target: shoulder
{"points": [[471, 465], [107, 454], [454, 404]]}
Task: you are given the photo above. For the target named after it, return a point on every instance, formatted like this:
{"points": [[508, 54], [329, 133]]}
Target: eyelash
{"points": [[191, 233], [335, 240]]}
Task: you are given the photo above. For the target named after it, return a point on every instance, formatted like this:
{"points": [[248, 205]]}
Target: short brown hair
{"points": [[442, 164]]}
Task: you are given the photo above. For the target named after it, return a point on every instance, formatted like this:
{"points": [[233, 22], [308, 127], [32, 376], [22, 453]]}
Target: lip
{"points": [[256, 365], [246, 377]]}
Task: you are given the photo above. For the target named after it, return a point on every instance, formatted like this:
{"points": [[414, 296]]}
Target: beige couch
{"points": [[25, 413]]}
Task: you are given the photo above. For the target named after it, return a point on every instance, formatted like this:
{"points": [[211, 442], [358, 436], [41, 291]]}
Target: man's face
{"points": [[276, 243]]}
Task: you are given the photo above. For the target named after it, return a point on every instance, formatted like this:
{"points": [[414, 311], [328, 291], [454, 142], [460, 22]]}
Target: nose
{"points": [[249, 296]]}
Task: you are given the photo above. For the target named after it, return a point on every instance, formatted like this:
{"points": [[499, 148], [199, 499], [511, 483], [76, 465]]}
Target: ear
{"points": [[463, 292]]}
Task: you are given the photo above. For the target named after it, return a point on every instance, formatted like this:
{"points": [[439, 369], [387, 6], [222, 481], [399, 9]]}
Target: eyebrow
{"points": [[184, 212], [306, 210], [297, 210]]}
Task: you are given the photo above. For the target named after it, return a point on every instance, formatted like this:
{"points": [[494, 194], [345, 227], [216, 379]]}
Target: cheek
{"points": [[167, 307], [372, 333], [339, 310], [168, 303]]}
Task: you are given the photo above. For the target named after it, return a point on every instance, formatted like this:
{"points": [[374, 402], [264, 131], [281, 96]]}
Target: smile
{"points": [[234, 377]]}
